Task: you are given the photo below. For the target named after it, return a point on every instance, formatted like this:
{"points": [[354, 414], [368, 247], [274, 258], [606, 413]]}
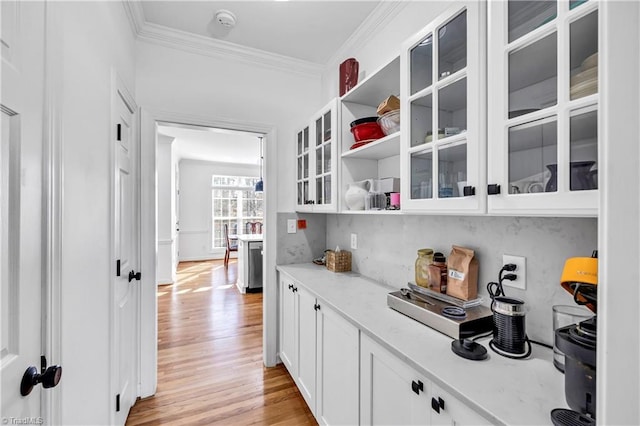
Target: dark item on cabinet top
{"points": [[348, 75]]}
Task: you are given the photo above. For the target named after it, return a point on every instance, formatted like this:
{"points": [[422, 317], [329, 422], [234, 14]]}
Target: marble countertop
{"points": [[249, 237], [503, 390]]}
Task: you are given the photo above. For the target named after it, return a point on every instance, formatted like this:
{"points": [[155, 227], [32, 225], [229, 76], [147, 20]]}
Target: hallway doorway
{"points": [[210, 367]]}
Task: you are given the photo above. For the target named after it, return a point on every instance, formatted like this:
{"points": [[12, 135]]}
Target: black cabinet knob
{"points": [[417, 386], [290, 286], [437, 404]]}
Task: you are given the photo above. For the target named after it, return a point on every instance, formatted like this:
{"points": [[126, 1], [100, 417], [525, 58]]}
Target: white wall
{"points": [[172, 80], [165, 272], [195, 205], [385, 44], [96, 37]]}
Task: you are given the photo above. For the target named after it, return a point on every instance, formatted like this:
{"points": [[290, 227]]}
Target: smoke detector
{"points": [[225, 18]]}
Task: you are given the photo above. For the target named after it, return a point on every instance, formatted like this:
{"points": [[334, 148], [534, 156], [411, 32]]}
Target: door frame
{"points": [[52, 207], [120, 91], [149, 303]]}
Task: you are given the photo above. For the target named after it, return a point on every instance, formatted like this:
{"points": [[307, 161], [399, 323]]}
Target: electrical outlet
{"points": [[354, 241], [521, 271], [291, 226]]}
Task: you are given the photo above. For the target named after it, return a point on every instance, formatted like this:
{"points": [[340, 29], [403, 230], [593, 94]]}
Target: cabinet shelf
{"points": [[382, 148], [383, 81], [366, 212]]}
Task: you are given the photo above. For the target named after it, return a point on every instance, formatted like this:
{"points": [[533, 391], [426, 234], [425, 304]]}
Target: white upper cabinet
{"points": [[377, 159], [543, 108], [316, 152], [443, 114]]}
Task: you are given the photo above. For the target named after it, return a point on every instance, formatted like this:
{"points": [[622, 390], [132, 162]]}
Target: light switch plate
{"points": [[291, 226], [354, 241], [521, 271]]}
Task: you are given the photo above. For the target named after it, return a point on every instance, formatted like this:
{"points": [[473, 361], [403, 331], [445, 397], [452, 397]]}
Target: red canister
{"points": [[348, 75]]}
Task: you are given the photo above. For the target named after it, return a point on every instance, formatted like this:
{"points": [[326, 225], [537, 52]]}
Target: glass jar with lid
{"points": [[425, 258]]}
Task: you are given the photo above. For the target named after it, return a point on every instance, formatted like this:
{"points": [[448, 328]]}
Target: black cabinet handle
{"points": [[468, 191], [316, 307], [437, 404], [417, 386], [290, 286], [493, 189], [295, 289]]}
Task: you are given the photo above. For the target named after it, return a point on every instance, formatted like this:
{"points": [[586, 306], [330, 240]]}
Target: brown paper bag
{"points": [[462, 274]]}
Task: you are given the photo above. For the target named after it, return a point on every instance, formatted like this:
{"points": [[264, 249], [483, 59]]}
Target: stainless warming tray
{"points": [[479, 319]]}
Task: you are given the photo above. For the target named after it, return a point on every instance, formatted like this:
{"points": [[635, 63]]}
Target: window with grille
{"points": [[234, 203]]}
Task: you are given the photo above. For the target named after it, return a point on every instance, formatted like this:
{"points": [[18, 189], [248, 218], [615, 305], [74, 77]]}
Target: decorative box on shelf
{"points": [[338, 261]]}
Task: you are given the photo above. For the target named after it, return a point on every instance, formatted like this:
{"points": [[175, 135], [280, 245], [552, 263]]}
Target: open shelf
{"points": [[365, 212], [382, 148], [376, 87]]}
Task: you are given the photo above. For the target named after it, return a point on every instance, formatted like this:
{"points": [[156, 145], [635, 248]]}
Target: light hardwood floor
{"points": [[210, 368]]}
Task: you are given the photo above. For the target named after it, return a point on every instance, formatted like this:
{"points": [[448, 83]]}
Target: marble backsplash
{"points": [[305, 245], [387, 248]]}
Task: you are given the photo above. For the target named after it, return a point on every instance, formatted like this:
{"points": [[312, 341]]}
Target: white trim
{"points": [[384, 13], [194, 43], [135, 13], [149, 340], [53, 207], [618, 348], [165, 242]]}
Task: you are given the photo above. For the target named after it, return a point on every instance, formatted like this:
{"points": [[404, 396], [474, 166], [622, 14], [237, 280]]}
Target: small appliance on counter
{"points": [[509, 333], [578, 342], [456, 318]]}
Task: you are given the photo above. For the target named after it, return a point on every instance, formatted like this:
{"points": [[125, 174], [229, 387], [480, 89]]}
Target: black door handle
{"points": [[50, 377], [134, 276]]}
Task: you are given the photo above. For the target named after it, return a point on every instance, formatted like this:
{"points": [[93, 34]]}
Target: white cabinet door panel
{"points": [[288, 326], [337, 368], [307, 346], [386, 394]]}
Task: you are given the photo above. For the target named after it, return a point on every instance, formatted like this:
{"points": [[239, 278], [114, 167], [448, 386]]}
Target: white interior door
{"points": [[21, 233], [126, 291]]}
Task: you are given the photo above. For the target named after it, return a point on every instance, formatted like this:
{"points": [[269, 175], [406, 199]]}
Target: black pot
{"points": [[364, 120]]}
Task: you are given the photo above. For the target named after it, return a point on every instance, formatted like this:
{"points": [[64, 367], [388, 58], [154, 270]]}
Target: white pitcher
{"points": [[356, 193]]}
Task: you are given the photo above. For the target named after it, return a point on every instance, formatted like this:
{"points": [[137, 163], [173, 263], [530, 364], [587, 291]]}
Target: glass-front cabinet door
{"points": [[315, 162], [325, 152], [543, 107], [443, 94], [303, 152]]}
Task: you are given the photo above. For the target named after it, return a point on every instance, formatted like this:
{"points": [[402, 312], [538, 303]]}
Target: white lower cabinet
{"points": [[347, 378], [338, 364], [307, 347], [450, 411], [288, 325], [390, 391], [321, 351]]}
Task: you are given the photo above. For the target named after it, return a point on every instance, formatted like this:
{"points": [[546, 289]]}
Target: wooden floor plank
{"points": [[210, 367]]}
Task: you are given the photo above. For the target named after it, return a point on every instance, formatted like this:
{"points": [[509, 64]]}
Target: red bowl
{"points": [[367, 131]]}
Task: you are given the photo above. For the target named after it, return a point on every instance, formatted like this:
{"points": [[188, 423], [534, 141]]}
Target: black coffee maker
{"points": [[578, 343]]}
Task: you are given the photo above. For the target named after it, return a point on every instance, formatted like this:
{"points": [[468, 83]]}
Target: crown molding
{"points": [[384, 13], [194, 43], [135, 14]]}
